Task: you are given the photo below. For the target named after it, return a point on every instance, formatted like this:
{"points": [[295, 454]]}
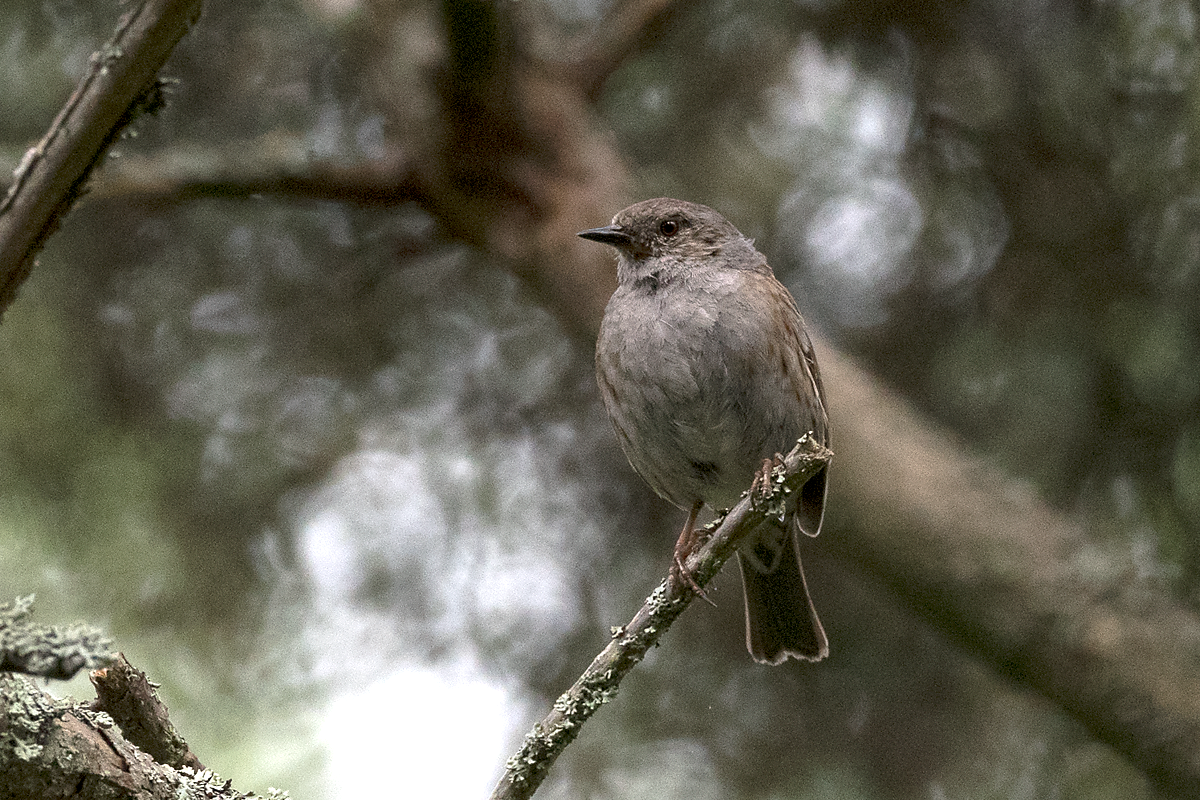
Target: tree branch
{"points": [[985, 560], [526, 770], [47, 652], [124, 692], [61, 750], [55, 749], [118, 86]]}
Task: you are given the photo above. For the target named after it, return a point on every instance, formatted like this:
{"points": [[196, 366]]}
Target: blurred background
{"points": [[313, 437]]}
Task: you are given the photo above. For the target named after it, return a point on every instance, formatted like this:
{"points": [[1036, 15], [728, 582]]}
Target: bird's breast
{"points": [[681, 393]]}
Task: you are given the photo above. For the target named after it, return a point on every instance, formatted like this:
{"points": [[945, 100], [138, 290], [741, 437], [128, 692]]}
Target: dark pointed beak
{"points": [[609, 234]]}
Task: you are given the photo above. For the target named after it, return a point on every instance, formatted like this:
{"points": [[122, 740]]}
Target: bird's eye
{"points": [[668, 227]]}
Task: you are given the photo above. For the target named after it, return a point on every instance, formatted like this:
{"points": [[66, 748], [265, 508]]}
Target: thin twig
{"points": [[525, 771]]}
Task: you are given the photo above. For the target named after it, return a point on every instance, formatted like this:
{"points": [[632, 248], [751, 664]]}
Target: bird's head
{"points": [[665, 235]]}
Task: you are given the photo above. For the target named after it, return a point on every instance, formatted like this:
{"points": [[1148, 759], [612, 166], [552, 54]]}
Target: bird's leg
{"points": [[688, 539]]}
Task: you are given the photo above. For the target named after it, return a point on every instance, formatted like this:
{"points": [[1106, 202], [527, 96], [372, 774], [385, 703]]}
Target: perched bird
{"points": [[707, 372]]}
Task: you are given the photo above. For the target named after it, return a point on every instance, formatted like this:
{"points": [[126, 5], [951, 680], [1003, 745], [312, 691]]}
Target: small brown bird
{"points": [[707, 371]]}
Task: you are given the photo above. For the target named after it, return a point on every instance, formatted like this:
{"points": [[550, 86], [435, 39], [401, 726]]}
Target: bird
{"points": [[707, 373]]}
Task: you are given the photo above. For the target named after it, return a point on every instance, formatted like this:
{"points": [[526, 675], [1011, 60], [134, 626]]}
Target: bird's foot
{"points": [[763, 486]]}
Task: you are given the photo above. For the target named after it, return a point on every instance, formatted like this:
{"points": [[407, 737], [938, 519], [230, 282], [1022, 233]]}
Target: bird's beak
{"points": [[609, 234]]}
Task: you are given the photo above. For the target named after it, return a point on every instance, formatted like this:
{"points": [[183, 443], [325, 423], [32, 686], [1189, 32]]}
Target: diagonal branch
{"points": [[526, 770], [119, 85], [1013, 581], [125, 693]]}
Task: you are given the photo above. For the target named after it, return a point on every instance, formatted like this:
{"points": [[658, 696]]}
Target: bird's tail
{"points": [[781, 621]]}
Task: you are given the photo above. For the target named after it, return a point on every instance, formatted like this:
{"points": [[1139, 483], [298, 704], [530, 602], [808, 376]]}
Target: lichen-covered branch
{"points": [[54, 749], [47, 652], [598, 684], [124, 692]]}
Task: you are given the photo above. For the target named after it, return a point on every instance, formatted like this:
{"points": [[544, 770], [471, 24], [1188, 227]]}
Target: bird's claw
{"points": [[763, 487], [680, 576]]}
